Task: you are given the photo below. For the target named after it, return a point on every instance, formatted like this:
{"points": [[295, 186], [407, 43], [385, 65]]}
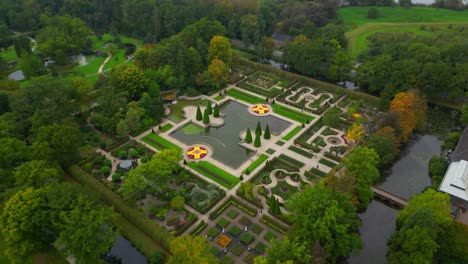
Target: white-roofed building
{"points": [[455, 181]]}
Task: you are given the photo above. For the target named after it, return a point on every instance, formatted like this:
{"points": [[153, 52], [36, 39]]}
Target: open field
{"points": [[92, 65], [395, 19], [357, 16]]}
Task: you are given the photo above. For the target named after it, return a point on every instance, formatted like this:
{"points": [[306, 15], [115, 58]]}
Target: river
{"points": [[408, 176]]}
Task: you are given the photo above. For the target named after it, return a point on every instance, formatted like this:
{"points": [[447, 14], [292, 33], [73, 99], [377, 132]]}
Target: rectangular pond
{"points": [[225, 140]]}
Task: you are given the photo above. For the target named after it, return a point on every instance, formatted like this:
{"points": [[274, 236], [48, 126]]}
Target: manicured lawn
{"points": [[256, 163], [292, 133], [219, 98], [216, 174], [291, 113], [166, 127], [246, 97], [92, 66], [160, 143], [290, 190]]}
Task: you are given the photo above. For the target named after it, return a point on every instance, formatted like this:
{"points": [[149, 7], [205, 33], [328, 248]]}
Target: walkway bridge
{"points": [[391, 198]]}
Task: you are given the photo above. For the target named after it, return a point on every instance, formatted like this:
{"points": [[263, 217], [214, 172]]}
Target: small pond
{"points": [[126, 252], [225, 139]]}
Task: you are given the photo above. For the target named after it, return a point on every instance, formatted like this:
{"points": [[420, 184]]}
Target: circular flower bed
{"points": [[261, 109], [197, 152]]}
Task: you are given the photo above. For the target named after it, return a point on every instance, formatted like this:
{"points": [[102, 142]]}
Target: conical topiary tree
{"points": [[248, 136], [267, 135], [216, 111], [257, 141], [199, 114], [208, 107], [258, 130], [206, 117]]}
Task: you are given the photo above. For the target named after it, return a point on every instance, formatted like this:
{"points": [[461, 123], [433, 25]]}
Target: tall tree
{"points": [[267, 132], [249, 29], [216, 111], [219, 73], [412, 110], [190, 250], [61, 36], [258, 129], [319, 214], [220, 48], [206, 117], [257, 141], [199, 115]]}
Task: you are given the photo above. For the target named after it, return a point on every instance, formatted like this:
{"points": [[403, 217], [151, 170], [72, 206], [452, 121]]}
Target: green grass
{"points": [[292, 133], [219, 98], [117, 59], [99, 43], [246, 97], [216, 174], [269, 236], [292, 113], [357, 16], [166, 127], [160, 143], [256, 163], [92, 66], [9, 54], [3, 259], [393, 19], [243, 54]]}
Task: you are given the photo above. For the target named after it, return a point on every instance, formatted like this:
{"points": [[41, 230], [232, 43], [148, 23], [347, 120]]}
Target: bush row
{"points": [[200, 227], [244, 207], [274, 224]]}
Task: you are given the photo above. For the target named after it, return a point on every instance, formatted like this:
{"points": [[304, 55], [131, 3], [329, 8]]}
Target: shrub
{"points": [[173, 221], [226, 260], [247, 238], [372, 13], [260, 247], [232, 213], [223, 222], [107, 162], [212, 232], [144, 159], [452, 140], [235, 230], [133, 153], [105, 170], [157, 257], [269, 236], [237, 250], [178, 203], [244, 220], [116, 177], [257, 229], [122, 154]]}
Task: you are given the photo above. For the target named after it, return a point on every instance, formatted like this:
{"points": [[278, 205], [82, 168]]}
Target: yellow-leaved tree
{"points": [[355, 132], [411, 108]]}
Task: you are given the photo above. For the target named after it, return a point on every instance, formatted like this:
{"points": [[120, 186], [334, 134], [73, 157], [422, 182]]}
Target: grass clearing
{"points": [[291, 113], [92, 65], [357, 16], [216, 174], [160, 143], [246, 97], [256, 163], [117, 59], [292, 133], [9, 54], [166, 127]]}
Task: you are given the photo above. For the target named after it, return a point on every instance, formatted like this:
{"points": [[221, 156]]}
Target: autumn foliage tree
{"points": [[220, 48], [412, 112], [219, 73], [355, 132]]}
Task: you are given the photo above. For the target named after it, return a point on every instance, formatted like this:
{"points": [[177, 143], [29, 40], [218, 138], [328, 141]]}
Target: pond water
{"points": [[408, 176], [126, 252], [177, 112], [225, 140]]}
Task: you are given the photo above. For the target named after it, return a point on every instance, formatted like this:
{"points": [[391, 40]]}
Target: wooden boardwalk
{"points": [[386, 196]]}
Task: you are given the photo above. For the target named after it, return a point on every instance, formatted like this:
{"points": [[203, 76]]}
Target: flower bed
{"points": [[224, 240], [197, 152], [261, 109]]}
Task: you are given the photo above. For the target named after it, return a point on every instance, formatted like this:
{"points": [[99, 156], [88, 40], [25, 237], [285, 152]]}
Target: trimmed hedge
{"points": [[327, 163], [292, 133], [274, 224], [271, 92], [216, 174], [246, 208], [291, 161], [200, 227], [318, 172], [300, 151], [157, 233]]}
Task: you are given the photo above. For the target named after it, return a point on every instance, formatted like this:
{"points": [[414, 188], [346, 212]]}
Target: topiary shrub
{"points": [[116, 177], [105, 170], [133, 153], [107, 162], [122, 154]]}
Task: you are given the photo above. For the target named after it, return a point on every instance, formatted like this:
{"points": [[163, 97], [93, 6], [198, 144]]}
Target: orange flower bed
{"points": [[224, 240]]}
